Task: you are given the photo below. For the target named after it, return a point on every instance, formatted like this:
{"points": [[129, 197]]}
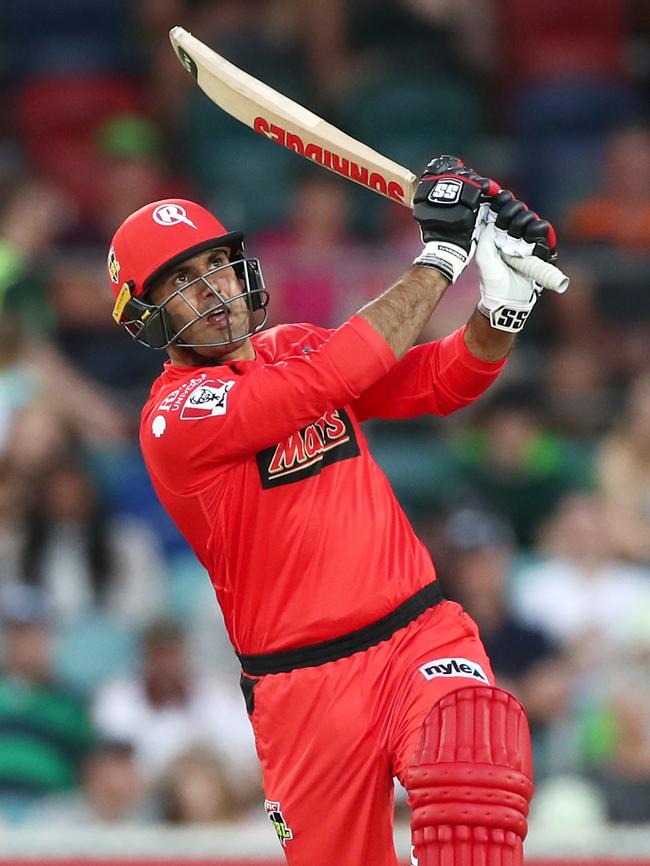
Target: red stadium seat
{"points": [[58, 119]]}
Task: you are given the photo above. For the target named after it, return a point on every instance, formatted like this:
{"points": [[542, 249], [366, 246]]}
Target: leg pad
{"points": [[470, 780]]}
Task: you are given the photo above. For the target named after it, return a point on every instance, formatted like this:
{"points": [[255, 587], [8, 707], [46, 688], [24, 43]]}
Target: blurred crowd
{"points": [[119, 700]]}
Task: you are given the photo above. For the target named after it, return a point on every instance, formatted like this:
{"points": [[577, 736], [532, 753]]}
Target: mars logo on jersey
{"points": [[306, 452], [285, 834], [210, 398]]}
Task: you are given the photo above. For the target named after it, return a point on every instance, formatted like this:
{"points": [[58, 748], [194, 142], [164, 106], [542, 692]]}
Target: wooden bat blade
{"points": [[281, 119]]}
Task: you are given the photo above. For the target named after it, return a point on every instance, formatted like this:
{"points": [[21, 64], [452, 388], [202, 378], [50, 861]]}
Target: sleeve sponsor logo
{"points": [[206, 401], [328, 440], [456, 667]]}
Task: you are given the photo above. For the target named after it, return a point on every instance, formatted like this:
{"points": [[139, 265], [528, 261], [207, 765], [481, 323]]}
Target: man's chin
{"points": [[216, 354]]}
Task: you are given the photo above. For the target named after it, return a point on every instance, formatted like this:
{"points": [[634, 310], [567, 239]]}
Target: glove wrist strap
{"points": [[447, 258], [504, 316]]}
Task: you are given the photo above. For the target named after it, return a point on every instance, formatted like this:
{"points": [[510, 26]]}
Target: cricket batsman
{"points": [[355, 669]]}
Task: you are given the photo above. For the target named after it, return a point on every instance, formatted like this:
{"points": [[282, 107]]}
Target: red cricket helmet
{"points": [[154, 239]]}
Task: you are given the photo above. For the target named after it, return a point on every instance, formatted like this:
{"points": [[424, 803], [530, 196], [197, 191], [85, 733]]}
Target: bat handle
{"points": [[544, 273]]}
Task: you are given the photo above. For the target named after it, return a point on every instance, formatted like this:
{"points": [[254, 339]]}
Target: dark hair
{"points": [[162, 631], [98, 555]]}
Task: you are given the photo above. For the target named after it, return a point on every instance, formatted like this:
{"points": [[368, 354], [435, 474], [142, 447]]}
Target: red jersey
{"points": [[265, 470]]}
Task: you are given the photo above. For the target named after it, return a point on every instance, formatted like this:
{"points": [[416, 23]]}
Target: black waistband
{"points": [[355, 641]]}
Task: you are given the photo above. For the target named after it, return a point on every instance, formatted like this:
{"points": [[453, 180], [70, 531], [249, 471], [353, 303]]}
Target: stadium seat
{"points": [[408, 121], [71, 104], [572, 105], [58, 117], [557, 172], [446, 115], [69, 36]]}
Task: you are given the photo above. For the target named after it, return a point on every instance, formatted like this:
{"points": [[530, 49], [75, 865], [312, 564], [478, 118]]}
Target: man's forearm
{"points": [[484, 341], [400, 313]]}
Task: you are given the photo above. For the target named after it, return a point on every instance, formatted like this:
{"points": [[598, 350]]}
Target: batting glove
{"points": [[450, 205], [520, 231], [507, 297]]}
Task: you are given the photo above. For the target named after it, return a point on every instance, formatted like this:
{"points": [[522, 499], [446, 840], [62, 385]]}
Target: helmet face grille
{"points": [[153, 326]]}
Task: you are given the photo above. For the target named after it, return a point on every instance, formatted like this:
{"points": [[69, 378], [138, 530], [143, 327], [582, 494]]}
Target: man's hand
{"points": [[519, 231], [448, 207], [507, 297]]}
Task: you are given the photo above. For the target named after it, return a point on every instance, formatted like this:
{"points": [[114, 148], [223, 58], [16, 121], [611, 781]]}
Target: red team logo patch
{"points": [[285, 833], [207, 400], [307, 451]]}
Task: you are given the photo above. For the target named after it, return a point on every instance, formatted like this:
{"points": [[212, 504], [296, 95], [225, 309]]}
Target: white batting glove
{"points": [[507, 297]]}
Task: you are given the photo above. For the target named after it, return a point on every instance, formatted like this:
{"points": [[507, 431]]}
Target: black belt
{"points": [[340, 647]]}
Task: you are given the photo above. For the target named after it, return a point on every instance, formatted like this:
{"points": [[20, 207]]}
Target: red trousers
{"points": [[330, 738]]}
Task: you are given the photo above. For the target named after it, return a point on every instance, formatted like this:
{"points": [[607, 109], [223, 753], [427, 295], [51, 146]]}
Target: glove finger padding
{"points": [[520, 231], [507, 297], [447, 206]]}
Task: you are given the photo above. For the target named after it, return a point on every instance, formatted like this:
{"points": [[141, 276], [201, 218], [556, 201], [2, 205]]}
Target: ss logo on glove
{"points": [[508, 319], [446, 191]]}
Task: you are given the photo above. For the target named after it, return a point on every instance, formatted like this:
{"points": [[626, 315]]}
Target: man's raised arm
{"points": [[447, 206]]}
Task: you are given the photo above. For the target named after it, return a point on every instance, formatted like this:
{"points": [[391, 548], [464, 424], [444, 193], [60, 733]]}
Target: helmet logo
{"points": [[113, 266], [171, 215]]}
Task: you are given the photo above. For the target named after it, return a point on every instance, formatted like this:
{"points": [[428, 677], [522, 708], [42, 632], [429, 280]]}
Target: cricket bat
{"points": [[281, 119]]}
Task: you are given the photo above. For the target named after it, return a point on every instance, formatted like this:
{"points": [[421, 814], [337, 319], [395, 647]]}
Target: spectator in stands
{"points": [[131, 154], [615, 738], [45, 731], [314, 265], [623, 470], [195, 789], [167, 709], [19, 382], [586, 597], [577, 392], [122, 368], [582, 40], [111, 794], [32, 219], [12, 507], [85, 558], [167, 80], [620, 213], [38, 436], [525, 659], [510, 461]]}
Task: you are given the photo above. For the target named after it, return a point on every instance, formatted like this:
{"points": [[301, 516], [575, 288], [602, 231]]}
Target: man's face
{"points": [[198, 287], [27, 651]]}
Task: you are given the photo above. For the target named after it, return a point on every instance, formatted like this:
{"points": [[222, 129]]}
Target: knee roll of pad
{"points": [[470, 778]]}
